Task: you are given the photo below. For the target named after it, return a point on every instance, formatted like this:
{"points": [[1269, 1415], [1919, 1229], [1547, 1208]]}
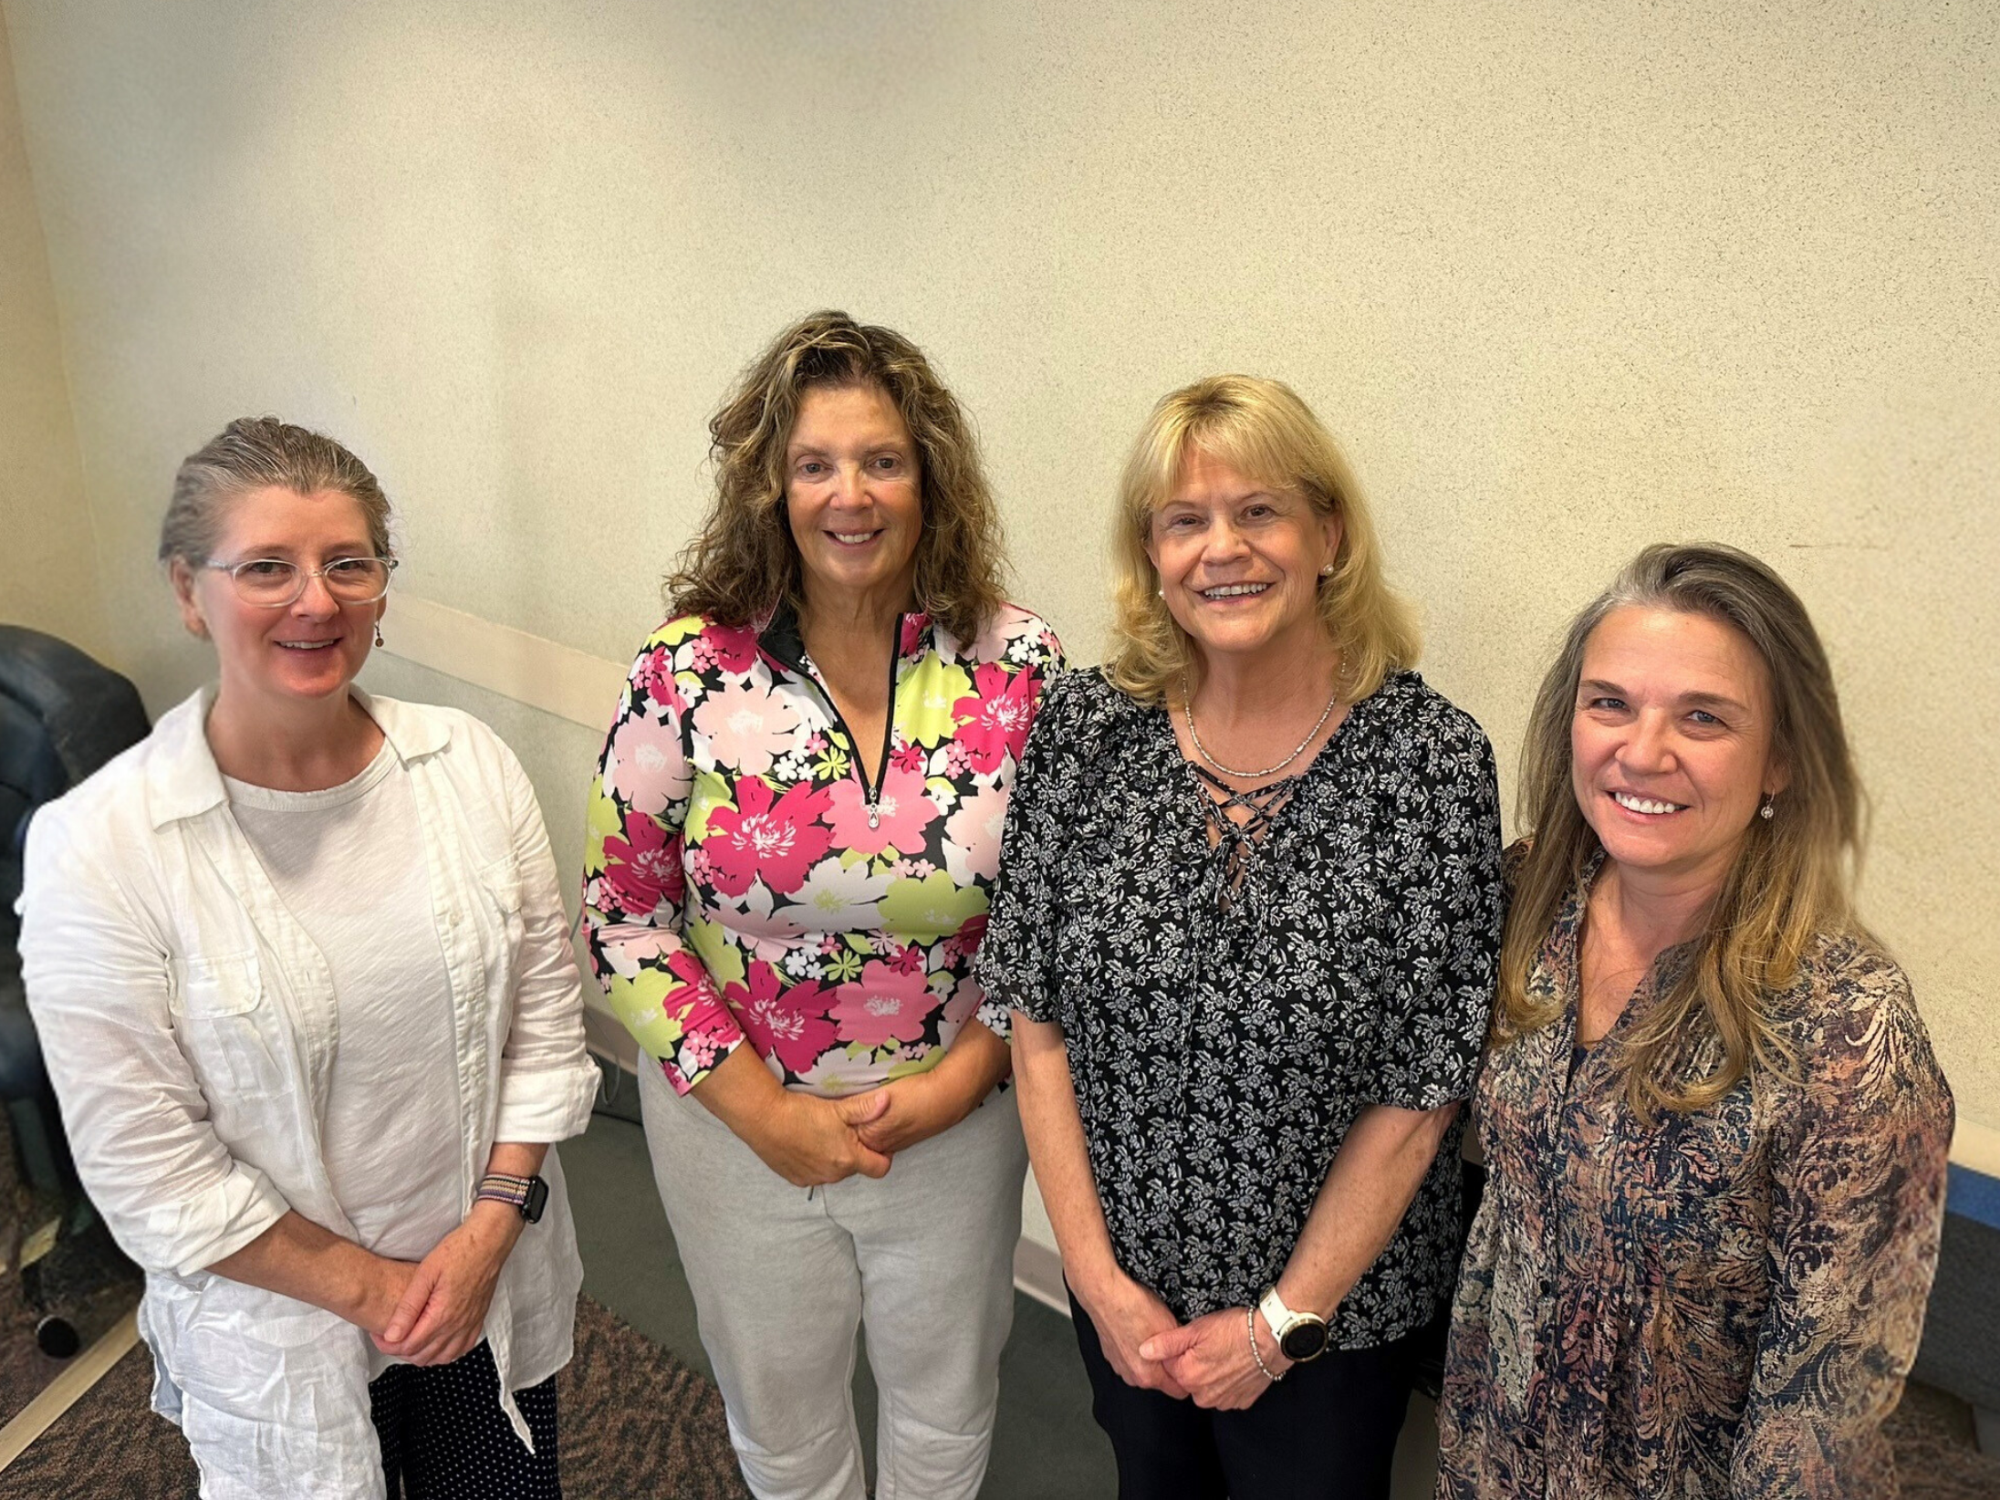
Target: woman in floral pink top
{"points": [[792, 837]]}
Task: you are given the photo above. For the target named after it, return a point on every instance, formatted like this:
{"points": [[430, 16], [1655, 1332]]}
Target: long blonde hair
{"points": [[744, 560], [1261, 429], [1792, 881]]}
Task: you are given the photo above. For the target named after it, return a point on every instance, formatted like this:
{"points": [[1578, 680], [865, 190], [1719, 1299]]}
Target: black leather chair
{"points": [[62, 715]]}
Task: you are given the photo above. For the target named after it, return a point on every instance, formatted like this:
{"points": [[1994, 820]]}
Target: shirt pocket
{"points": [[503, 922], [227, 1025]]}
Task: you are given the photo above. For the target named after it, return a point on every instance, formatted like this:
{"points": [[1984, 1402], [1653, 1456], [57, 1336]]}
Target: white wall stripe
{"points": [[530, 669]]}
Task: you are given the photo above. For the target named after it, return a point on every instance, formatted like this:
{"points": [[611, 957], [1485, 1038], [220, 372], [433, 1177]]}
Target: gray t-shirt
{"points": [[348, 862]]}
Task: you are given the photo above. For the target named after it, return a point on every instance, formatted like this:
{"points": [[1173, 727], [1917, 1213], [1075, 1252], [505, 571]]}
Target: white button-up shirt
{"points": [[188, 1023]]}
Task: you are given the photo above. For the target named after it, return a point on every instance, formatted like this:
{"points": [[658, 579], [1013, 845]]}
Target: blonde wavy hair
{"points": [[1793, 880], [743, 563], [1261, 429]]}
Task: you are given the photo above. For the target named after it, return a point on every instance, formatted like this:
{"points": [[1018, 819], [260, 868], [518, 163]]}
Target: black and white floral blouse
{"points": [[1223, 1036]]}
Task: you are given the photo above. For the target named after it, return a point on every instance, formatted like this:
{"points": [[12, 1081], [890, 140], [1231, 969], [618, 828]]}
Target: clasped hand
{"points": [[1207, 1361], [439, 1307], [811, 1142]]}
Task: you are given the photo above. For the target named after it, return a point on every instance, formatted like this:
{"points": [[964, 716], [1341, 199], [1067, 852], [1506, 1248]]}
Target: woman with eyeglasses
{"points": [[302, 979]]}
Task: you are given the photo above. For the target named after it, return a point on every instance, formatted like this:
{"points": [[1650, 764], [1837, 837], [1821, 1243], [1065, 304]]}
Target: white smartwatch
{"points": [[1300, 1335]]}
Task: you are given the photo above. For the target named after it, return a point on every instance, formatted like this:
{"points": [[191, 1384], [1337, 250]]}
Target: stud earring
{"points": [[1767, 811], [378, 632], [1327, 571]]}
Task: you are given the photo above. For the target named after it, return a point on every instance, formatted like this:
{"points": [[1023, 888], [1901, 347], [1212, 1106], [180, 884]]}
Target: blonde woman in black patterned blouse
{"points": [[1714, 1129], [1247, 916]]}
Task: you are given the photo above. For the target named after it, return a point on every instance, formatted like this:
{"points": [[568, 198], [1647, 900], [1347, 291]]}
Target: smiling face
{"points": [[1671, 741], [308, 649], [854, 497], [1239, 561]]}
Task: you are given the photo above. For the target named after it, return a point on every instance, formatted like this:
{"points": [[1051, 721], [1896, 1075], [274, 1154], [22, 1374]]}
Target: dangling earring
{"points": [[1767, 811], [378, 632]]}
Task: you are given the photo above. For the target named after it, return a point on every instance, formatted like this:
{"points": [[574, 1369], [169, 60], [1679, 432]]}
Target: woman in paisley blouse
{"points": [[792, 837], [1247, 920], [1714, 1129]]}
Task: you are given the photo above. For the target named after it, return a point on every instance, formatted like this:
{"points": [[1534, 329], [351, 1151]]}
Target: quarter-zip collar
{"points": [[782, 643]]}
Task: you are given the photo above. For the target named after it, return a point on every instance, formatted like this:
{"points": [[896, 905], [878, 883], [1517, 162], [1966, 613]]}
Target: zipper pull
{"points": [[874, 814]]}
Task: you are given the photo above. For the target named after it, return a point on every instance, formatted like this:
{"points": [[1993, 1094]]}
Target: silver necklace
{"points": [[1187, 708]]}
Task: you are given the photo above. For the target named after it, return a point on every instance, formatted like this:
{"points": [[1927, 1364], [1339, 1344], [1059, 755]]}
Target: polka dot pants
{"points": [[444, 1436]]}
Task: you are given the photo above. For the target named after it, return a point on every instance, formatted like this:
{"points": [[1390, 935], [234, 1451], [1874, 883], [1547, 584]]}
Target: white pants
{"points": [[923, 1258]]}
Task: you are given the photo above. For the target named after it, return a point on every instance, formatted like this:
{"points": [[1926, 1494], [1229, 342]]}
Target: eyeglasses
{"points": [[274, 583]]}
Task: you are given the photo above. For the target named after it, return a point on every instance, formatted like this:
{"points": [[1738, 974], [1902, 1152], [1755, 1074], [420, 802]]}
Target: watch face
{"points": [[538, 1197], [1304, 1340]]}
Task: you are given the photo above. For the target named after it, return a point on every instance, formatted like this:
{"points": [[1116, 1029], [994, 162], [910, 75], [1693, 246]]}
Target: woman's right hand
{"points": [[383, 1285], [1125, 1315], [811, 1142]]}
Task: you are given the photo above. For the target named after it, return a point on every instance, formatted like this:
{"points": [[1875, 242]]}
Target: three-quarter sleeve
{"points": [[1439, 995], [635, 890], [97, 975], [1858, 1185], [1017, 961], [547, 1081]]}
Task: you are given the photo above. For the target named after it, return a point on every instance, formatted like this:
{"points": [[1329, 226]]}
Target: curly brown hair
{"points": [[744, 563]]}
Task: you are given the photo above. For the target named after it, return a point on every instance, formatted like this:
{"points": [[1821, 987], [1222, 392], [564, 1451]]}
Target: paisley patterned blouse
{"points": [[745, 881], [1724, 1304]]}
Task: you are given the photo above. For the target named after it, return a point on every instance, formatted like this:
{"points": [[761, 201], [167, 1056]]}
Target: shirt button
{"points": [[451, 918]]}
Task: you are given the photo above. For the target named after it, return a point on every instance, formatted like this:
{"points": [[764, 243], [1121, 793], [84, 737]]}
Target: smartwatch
{"points": [[528, 1194], [1301, 1336]]}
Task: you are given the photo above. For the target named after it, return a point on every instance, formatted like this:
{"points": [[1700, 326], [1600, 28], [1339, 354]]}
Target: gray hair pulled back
{"points": [[254, 453]]}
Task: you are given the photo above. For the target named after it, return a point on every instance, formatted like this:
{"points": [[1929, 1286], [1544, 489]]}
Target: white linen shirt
{"points": [[188, 1024]]}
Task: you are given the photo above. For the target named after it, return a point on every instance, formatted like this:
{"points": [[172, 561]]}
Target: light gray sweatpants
{"points": [[924, 1258]]}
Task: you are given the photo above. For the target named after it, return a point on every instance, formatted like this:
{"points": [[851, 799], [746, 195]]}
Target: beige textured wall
{"points": [[48, 568], [1566, 278]]}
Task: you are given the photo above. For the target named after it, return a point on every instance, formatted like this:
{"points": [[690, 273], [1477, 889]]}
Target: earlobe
{"points": [[183, 581], [1331, 529], [1777, 778]]}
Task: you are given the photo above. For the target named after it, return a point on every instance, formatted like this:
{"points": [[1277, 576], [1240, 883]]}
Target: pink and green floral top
{"points": [[746, 880]]}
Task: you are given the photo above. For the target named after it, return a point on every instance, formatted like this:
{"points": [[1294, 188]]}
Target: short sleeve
{"points": [[1016, 964], [1045, 665], [1439, 994]]}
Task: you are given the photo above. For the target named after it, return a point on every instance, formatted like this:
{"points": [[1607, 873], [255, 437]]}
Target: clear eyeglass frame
{"points": [[348, 580]]}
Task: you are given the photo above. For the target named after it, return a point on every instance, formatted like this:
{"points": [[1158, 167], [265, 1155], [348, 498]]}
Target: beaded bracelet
{"points": [[1250, 1323]]}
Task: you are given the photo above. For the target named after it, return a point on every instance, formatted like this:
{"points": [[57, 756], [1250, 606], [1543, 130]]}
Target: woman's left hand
{"points": [[1211, 1359], [930, 1103], [443, 1312], [920, 1107]]}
